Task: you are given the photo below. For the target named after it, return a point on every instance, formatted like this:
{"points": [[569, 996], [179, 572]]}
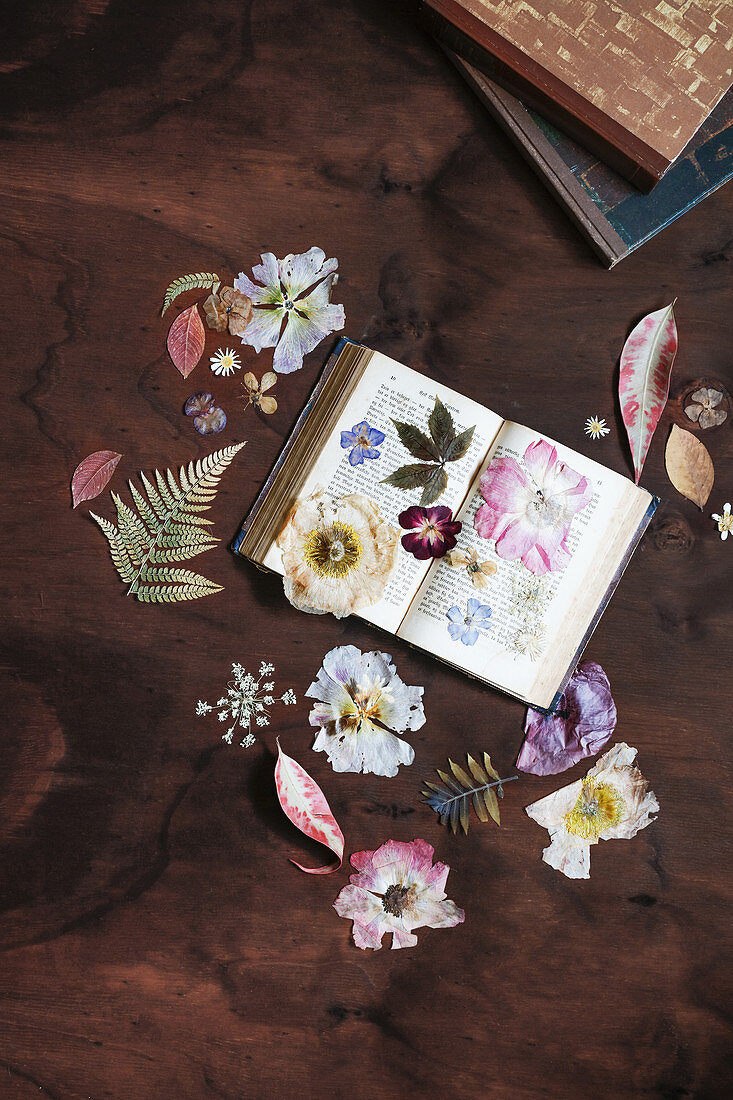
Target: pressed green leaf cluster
{"points": [[167, 527], [451, 799], [434, 451], [202, 279]]}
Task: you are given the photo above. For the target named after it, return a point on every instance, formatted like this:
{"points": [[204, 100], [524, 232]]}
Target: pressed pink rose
{"points": [[432, 531], [528, 511], [397, 888]]}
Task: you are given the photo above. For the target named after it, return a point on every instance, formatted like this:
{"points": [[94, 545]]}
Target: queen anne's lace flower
{"points": [[247, 700], [611, 802], [360, 699], [529, 509], [295, 291], [337, 555], [396, 889]]}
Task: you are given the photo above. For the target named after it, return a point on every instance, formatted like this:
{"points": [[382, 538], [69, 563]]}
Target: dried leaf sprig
{"points": [[247, 700], [199, 280], [434, 451], [451, 799]]}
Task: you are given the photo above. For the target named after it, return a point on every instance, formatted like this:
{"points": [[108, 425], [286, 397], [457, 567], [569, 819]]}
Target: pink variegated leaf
{"points": [[305, 804], [92, 474], [186, 338], [643, 385]]}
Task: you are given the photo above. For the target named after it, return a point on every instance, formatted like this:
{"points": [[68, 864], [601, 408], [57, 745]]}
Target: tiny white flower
{"points": [[724, 522], [247, 741], [203, 708], [596, 428], [262, 721], [222, 716], [228, 737], [225, 362], [266, 667]]}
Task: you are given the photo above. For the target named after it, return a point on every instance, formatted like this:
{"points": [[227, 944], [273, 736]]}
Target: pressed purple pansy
{"points": [[362, 442], [582, 724], [464, 626], [208, 418], [432, 531]]}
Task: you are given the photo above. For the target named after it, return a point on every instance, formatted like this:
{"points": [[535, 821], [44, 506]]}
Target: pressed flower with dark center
{"points": [[333, 551], [599, 807], [397, 898], [546, 513]]}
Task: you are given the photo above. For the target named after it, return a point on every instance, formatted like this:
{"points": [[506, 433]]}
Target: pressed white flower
{"points": [[529, 642], [246, 701], [337, 554], [360, 700], [612, 802], [225, 362], [724, 522], [596, 428]]}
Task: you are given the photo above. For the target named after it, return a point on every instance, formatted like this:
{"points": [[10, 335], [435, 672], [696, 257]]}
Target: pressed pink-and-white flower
{"points": [[529, 508], [396, 889]]}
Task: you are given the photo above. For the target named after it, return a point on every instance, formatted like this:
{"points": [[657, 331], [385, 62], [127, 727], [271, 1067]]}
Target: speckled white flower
{"points": [[225, 362], [360, 700], [247, 700], [596, 428], [612, 802], [724, 522]]}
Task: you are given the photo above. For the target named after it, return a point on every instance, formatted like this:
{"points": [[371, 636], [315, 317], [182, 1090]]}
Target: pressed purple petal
{"points": [[582, 724], [376, 437], [198, 403], [211, 422], [438, 515], [411, 517], [356, 457], [349, 439], [370, 452], [419, 548]]}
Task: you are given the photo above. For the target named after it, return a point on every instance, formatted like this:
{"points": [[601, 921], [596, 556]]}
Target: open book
{"points": [[539, 624]]}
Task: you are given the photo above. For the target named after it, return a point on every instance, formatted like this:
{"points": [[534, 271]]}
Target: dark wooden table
{"points": [[156, 942]]}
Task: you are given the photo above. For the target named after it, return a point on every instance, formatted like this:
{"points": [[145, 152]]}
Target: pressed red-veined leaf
{"points": [[92, 474], [305, 804], [643, 386], [186, 338]]}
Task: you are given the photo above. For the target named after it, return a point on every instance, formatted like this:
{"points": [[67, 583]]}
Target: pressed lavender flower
{"points": [[293, 311], [362, 442], [611, 802], [396, 889], [464, 626], [432, 531], [582, 724], [529, 509], [361, 700]]}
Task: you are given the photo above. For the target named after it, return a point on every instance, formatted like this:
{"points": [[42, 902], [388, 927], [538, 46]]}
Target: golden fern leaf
{"points": [[451, 799], [166, 528], [206, 280]]}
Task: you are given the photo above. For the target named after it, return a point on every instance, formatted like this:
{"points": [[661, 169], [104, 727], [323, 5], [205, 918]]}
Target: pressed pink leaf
{"points": [[92, 474], [305, 804], [643, 385], [186, 338]]}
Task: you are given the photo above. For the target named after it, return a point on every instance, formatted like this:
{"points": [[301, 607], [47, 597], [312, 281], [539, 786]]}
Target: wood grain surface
{"points": [[156, 941]]}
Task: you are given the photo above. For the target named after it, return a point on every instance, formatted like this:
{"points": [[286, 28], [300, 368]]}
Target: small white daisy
{"points": [[596, 428], [724, 522], [225, 362]]}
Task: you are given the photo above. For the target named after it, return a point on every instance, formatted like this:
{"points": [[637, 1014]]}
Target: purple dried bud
{"points": [[199, 404], [211, 422]]}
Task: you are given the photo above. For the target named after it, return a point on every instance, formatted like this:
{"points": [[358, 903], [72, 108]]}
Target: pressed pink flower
{"points": [[397, 888], [528, 511], [432, 531]]}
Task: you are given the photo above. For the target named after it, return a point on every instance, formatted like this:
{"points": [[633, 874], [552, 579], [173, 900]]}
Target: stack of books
{"points": [[622, 107]]}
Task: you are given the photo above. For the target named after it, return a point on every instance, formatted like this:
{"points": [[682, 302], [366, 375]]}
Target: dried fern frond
{"points": [[207, 280], [451, 800], [167, 527]]}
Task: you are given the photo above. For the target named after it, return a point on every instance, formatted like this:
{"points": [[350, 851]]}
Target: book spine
{"points": [[543, 92]]}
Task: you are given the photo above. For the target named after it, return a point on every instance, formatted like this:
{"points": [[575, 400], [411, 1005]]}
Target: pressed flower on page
{"points": [[464, 626], [478, 571], [396, 889], [528, 509], [431, 531], [360, 701], [362, 442], [292, 307]]}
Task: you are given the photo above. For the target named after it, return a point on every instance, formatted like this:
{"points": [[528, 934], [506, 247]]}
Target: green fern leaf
{"points": [[207, 280], [166, 528], [451, 799]]}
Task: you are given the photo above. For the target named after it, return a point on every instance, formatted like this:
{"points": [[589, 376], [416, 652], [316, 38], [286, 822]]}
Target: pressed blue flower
{"points": [[363, 441], [464, 626]]}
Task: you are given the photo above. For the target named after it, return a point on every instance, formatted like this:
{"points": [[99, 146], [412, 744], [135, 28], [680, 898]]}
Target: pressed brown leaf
{"points": [[416, 442], [92, 474], [689, 466], [458, 447], [186, 338], [435, 485]]}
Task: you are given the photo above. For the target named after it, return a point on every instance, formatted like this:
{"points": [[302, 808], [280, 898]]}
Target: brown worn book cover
{"points": [[632, 80]]}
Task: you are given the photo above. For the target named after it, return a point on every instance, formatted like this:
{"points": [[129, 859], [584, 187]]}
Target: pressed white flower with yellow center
{"points": [[337, 554], [724, 522], [225, 362], [612, 802], [596, 428]]}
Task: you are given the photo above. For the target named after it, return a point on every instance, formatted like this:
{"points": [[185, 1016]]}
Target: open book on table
{"points": [[539, 624]]}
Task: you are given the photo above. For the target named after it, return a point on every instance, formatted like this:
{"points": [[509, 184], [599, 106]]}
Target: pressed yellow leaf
{"points": [[477, 771], [689, 466], [492, 803]]}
